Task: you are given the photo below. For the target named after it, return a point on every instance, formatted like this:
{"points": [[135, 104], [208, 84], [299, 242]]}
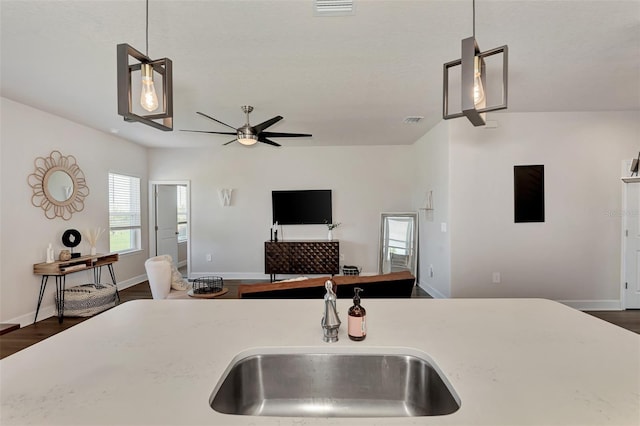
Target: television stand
{"points": [[301, 257]]}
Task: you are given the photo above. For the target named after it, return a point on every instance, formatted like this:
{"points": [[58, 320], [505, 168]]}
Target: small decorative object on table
{"points": [[331, 227], [71, 238], [64, 255], [50, 258], [92, 235], [207, 287]]}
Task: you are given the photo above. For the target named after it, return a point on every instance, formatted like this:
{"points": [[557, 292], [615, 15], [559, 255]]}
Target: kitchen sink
{"points": [[334, 385]]}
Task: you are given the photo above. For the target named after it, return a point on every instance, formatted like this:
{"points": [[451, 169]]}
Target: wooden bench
{"points": [[393, 285]]}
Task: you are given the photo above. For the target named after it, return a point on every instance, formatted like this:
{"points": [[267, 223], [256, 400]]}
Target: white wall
{"points": [[433, 162], [365, 182], [27, 133], [574, 256]]}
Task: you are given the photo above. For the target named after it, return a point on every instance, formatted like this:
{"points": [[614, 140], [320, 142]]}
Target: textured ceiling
{"points": [[348, 80]]}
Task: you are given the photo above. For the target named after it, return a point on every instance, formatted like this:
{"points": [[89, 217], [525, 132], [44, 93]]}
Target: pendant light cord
{"points": [[147, 30], [474, 18]]}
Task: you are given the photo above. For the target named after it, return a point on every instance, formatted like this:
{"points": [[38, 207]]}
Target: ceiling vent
{"points": [[333, 7], [413, 119]]}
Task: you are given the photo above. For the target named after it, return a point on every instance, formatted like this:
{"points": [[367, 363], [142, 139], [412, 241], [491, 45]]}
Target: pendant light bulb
{"points": [[148, 96], [478, 88]]}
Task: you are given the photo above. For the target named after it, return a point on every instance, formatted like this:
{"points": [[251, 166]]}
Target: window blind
{"points": [[124, 201]]}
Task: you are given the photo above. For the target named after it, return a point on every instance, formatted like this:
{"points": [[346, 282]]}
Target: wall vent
{"points": [[413, 119], [333, 7]]}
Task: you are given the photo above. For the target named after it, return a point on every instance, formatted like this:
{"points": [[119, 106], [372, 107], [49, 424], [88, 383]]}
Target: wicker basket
{"points": [[88, 299]]}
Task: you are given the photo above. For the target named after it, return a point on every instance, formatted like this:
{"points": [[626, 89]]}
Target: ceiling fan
{"points": [[250, 135]]}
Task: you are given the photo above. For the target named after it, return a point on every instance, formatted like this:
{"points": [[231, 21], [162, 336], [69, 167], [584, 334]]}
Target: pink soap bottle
{"points": [[357, 325]]}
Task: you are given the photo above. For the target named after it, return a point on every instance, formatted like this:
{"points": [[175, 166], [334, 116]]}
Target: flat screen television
{"points": [[303, 207], [528, 186]]}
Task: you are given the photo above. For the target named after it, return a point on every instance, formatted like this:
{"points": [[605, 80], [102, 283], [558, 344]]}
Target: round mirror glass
{"points": [[60, 185]]}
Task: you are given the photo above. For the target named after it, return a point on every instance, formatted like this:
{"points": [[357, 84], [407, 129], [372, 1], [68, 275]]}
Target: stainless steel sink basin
{"points": [[334, 385]]}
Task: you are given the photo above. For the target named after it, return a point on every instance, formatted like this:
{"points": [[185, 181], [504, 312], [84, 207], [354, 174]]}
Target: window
{"points": [[182, 213], [124, 213]]}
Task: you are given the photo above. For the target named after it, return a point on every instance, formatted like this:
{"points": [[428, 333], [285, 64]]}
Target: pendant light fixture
{"points": [[473, 80], [139, 77]]}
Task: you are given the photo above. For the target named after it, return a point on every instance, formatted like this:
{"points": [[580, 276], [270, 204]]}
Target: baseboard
{"points": [[594, 305], [49, 310], [27, 319], [432, 291], [131, 282]]}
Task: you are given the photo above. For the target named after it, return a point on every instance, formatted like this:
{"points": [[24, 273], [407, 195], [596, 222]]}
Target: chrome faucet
{"points": [[330, 321]]}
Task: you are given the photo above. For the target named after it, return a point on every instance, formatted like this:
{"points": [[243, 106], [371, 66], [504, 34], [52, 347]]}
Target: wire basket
{"points": [[351, 270], [207, 285]]}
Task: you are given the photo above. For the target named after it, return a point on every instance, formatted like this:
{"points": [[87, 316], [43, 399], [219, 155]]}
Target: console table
{"points": [[301, 257], [61, 269]]}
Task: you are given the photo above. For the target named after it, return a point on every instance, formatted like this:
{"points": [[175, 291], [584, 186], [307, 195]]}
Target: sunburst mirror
{"points": [[59, 186]]}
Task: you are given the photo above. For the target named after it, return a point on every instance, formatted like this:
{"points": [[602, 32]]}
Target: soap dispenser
{"points": [[357, 325]]}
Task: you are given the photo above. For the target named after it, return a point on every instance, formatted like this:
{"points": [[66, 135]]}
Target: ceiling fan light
{"points": [[247, 140]]}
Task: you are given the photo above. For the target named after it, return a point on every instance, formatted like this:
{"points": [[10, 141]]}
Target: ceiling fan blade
{"points": [[260, 127], [267, 141], [217, 121], [204, 131], [284, 135], [224, 144]]}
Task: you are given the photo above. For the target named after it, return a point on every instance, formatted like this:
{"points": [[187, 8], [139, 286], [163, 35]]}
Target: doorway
{"points": [[169, 219]]}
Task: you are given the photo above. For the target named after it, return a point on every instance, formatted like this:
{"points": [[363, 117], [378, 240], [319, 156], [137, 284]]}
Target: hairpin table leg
{"points": [[43, 286], [113, 279], [60, 283]]}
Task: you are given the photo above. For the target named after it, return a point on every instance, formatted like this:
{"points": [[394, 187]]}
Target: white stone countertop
{"points": [[156, 362]]}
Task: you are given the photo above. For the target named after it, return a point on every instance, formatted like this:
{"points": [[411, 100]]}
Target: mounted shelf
{"points": [[631, 179], [428, 203]]}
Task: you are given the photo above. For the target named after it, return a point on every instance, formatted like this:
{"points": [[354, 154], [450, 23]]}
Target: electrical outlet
{"points": [[208, 257], [496, 278], [341, 257], [443, 227]]}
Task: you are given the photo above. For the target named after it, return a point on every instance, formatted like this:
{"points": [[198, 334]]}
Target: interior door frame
{"points": [[152, 216], [626, 164]]}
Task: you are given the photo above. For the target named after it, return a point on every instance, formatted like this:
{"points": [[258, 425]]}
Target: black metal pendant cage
{"points": [[207, 285], [130, 62]]}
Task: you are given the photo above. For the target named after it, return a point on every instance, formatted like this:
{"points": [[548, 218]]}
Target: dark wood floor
{"points": [[17, 340], [629, 319]]}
